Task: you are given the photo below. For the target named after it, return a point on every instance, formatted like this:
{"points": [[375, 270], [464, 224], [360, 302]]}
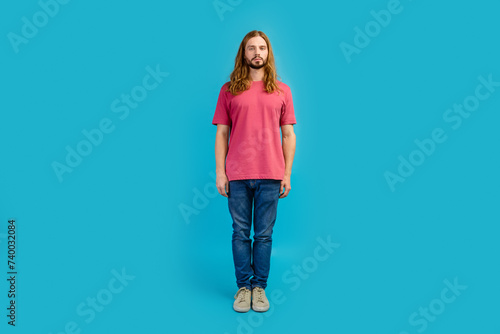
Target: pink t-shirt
{"points": [[255, 118]]}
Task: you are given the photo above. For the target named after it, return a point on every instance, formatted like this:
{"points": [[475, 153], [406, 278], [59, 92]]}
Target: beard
{"points": [[253, 65]]}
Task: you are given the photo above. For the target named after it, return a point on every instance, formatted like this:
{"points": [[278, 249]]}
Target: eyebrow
{"points": [[255, 45]]}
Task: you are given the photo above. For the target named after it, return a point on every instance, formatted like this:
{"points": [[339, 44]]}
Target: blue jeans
{"points": [[252, 263]]}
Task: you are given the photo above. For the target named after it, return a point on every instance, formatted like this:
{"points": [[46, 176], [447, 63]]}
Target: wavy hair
{"points": [[240, 80]]}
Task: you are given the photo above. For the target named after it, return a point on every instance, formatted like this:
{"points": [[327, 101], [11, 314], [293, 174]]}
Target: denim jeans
{"points": [[252, 264]]}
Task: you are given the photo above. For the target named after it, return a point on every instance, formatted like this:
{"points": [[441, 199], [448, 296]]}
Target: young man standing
{"points": [[253, 170]]}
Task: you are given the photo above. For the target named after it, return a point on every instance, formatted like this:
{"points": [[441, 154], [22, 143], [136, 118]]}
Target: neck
{"points": [[256, 75]]}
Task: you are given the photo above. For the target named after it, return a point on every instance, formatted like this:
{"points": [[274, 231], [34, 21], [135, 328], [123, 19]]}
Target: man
{"points": [[250, 110]]}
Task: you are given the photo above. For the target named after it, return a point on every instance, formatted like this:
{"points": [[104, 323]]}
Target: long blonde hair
{"points": [[240, 80]]}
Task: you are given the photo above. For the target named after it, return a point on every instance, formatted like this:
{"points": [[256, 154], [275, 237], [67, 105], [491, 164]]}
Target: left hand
{"points": [[285, 183]]}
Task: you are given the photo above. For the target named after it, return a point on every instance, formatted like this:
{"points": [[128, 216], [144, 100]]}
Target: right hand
{"points": [[222, 184]]}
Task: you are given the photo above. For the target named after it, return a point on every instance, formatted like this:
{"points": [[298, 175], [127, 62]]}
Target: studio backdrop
{"points": [[110, 221]]}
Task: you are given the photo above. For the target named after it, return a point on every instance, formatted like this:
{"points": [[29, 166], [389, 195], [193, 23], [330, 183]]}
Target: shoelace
{"points": [[241, 294], [260, 295]]}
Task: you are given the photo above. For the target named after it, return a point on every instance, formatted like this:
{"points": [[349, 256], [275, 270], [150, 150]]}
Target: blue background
{"points": [[120, 208]]}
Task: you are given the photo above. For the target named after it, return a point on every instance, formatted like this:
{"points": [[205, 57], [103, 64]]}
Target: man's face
{"points": [[256, 52]]}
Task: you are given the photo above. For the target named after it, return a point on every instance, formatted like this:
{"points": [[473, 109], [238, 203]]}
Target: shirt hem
{"points": [[220, 122], [250, 176]]}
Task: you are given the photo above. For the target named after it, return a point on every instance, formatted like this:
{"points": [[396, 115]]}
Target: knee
{"points": [[241, 234], [263, 238]]}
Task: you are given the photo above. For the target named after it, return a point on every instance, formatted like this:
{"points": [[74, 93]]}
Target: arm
{"points": [[288, 144], [221, 146]]}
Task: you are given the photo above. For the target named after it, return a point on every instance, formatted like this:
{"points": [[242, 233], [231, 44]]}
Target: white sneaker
{"points": [[259, 300], [242, 302]]}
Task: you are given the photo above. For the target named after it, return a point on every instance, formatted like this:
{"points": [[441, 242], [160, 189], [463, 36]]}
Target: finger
{"points": [[285, 193], [221, 191]]}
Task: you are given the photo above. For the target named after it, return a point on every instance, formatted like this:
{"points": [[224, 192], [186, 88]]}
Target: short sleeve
{"points": [[221, 115], [287, 111]]}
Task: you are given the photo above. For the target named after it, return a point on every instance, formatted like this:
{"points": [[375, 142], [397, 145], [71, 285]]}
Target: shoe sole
{"points": [[241, 310], [258, 309]]}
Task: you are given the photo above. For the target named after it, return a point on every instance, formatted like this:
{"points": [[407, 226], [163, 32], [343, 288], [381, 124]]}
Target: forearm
{"points": [[221, 146], [288, 144]]}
